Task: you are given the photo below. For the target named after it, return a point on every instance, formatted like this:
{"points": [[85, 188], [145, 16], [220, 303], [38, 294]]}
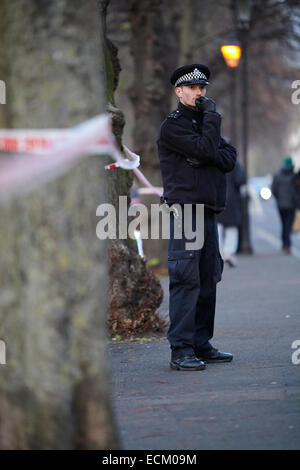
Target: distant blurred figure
{"points": [[283, 189], [230, 219], [296, 224], [297, 190]]}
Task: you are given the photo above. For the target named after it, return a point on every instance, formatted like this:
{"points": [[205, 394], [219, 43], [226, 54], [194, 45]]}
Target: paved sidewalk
{"points": [[250, 403]]}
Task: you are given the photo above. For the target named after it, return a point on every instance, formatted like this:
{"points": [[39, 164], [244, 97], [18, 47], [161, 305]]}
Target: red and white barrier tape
{"points": [[142, 178], [62, 148]]}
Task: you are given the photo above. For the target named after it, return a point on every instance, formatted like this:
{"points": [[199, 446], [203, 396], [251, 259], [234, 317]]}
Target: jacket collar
{"points": [[188, 112], [287, 169]]}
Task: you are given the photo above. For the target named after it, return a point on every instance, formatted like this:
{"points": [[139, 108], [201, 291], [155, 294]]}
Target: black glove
{"points": [[205, 105]]}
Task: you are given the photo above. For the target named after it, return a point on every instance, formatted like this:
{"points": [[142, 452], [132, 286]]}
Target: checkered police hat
{"points": [[190, 75]]}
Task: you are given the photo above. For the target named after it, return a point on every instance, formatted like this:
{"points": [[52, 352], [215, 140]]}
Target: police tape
{"points": [[32, 157], [63, 147], [93, 136], [142, 178], [149, 189]]}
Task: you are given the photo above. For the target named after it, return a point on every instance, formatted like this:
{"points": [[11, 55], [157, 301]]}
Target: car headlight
{"points": [[265, 193]]}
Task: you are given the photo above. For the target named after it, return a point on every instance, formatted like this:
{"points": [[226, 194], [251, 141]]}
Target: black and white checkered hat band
{"points": [[195, 75]]}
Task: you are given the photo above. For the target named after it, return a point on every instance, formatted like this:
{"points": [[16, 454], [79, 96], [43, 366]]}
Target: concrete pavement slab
{"points": [[252, 402]]}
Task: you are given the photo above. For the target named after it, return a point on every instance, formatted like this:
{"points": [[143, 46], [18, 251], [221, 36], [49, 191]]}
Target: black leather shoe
{"points": [[215, 356], [190, 362]]}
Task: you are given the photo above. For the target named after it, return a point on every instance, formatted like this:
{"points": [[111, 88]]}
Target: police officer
{"points": [[194, 159]]}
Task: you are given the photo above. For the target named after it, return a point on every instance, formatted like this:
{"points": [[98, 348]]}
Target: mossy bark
{"points": [[135, 292]]}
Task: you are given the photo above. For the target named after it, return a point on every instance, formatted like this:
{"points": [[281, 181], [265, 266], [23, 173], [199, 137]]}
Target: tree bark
{"points": [[135, 293], [54, 390], [147, 92], [154, 40]]}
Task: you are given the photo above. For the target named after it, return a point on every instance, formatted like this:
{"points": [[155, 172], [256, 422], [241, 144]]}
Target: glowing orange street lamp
{"points": [[232, 54]]}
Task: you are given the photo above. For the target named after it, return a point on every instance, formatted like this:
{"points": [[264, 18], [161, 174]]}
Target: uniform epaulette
{"points": [[174, 114]]}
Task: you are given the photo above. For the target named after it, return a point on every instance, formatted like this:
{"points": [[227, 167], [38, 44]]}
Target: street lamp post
{"points": [[233, 106], [242, 16], [231, 52]]}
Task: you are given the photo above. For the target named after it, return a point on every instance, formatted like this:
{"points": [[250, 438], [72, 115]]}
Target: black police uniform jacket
{"points": [[187, 135]]}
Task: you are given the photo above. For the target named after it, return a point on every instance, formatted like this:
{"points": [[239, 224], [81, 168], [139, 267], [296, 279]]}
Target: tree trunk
{"points": [[153, 47], [135, 293], [54, 391], [148, 92]]}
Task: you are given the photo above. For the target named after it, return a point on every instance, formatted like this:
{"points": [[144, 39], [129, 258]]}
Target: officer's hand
{"points": [[205, 105]]}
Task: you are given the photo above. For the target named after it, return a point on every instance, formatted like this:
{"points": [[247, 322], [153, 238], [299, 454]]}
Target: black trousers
{"points": [[193, 277], [287, 218]]}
